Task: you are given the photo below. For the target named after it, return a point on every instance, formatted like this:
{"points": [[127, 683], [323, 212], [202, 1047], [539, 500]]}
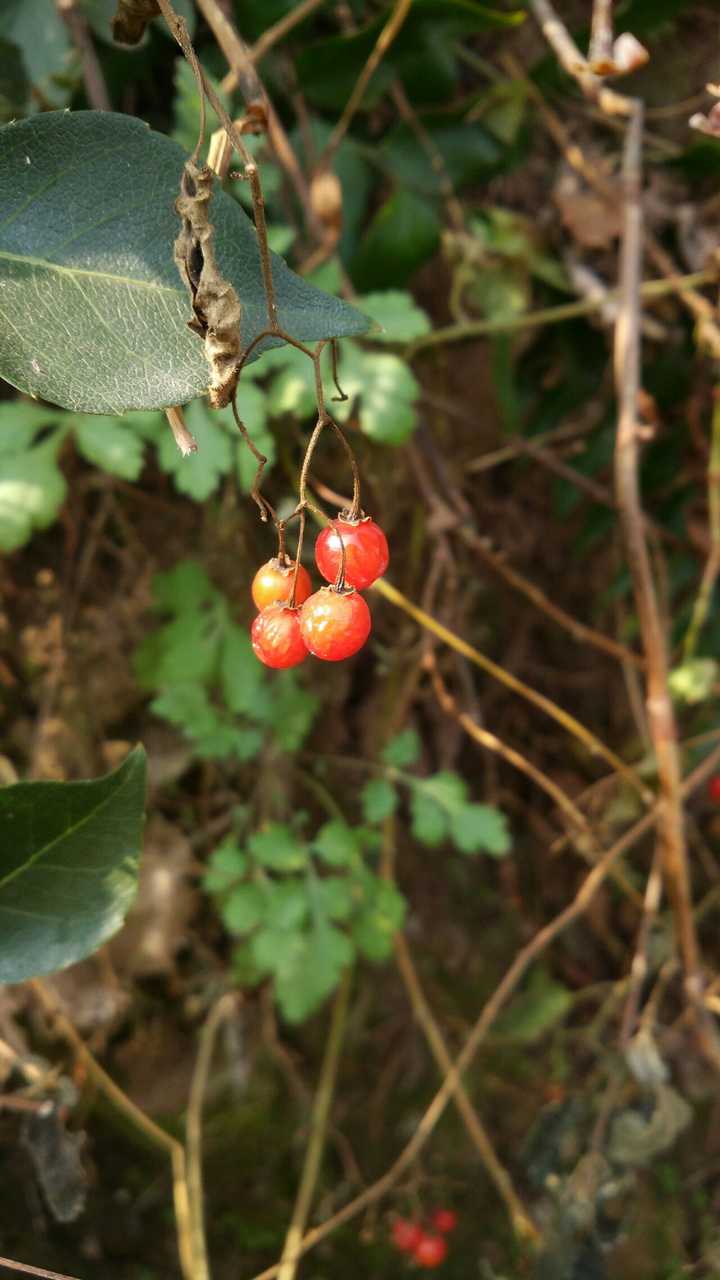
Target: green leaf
{"points": [[315, 970], [379, 799], [20, 422], [188, 706], [68, 867], [14, 82], [286, 904], [292, 389], [278, 848], [49, 57], [87, 226], [244, 685], [429, 820], [243, 910], [536, 1010], [480, 826], [110, 446], [183, 588], [334, 897], [227, 864], [402, 750], [336, 844], [404, 232], [293, 710], [446, 788], [198, 475], [379, 921], [32, 491], [397, 313], [386, 391]]}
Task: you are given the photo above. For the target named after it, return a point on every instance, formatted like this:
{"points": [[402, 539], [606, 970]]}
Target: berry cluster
{"points": [[332, 623], [425, 1248]]}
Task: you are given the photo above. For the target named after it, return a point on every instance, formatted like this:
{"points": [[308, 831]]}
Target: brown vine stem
{"points": [[581, 831], [523, 1224], [34, 1271], [76, 23], [661, 717], [572, 726], [194, 1125], [318, 1131], [712, 564], [156, 1135], [508, 984], [382, 44], [470, 329], [272, 35]]}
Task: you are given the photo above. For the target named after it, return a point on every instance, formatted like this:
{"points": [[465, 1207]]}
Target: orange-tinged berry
{"points": [[273, 582], [366, 551], [335, 624], [430, 1251], [276, 637]]}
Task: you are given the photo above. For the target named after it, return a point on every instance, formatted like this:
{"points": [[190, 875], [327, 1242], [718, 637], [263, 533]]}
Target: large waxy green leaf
{"points": [[93, 315], [69, 855]]}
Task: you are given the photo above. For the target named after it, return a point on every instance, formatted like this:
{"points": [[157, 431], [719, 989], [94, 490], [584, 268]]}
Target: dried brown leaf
{"points": [[129, 23], [215, 304]]}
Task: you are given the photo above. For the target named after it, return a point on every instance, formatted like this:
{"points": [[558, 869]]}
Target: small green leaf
{"points": [[336, 844], [402, 750], [379, 799], [187, 706], [536, 1010], [399, 316], [277, 950], [32, 491], [244, 686], [20, 422], [334, 897], [302, 986], [380, 919], [382, 390], [199, 474], [292, 389], [183, 588], [286, 904], [293, 710], [243, 910], [446, 788], [68, 867], [480, 826], [429, 820], [692, 682], [226, 866], [404, 232], [278, 848], [109, 445]]}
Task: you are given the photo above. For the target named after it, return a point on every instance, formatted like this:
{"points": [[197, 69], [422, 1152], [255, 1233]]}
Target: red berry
{"points": [[335, 624], [406, 1235], [366, 551], [430, 1251], [444, 1220], [713, 788], [273, 582], [276, 637]]}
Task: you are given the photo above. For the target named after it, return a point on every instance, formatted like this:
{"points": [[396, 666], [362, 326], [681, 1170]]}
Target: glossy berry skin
{"points": [[713, 788], [273, 582], [334, 624], [430, 1251], [276, 637], [444, 1221], [366, 551], [406, 1235]]}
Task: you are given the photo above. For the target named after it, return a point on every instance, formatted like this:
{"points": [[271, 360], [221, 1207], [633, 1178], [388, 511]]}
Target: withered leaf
{"points": [[131, 19], [215, 304]]}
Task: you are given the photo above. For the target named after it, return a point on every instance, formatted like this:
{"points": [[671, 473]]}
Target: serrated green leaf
{"points": [[293, 710], [20, 421], [334, 897], [336, 844], [402, 750], [398, 315], [429, 820], [227, 864], [479, 826], [301, 986], [187, 706], [109, 445], [277, 950], [185, 650], [286, 904], [245, 688], [183, 588], [32, 491], [379, 921], [378, 799], [446, 788], [244, 908], [382, 390], [278, 848], [199, 474], [68, 867], [99, 253], [292, 389]]}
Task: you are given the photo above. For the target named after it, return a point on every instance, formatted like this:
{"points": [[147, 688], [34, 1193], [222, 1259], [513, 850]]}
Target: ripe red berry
{"points": [[335, 624], [406, 1235], [273, 582], [444, 1220], [713, 788], [430, 1251], [366, 551], [276, 637]]}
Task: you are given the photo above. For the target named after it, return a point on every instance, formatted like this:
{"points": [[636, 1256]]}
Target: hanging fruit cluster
{"points": [[426, 1246], [332, 623]]}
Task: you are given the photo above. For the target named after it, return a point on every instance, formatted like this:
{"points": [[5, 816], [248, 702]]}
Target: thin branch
{"points": [[272, 35], [138, 1118], [34, 1271], [318, 1132], [712, 564], [194, 1127], [572, 726], [522, 1223], [76, 23], [524, 958]]}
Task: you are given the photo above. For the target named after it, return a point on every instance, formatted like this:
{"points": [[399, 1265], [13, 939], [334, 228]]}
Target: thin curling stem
{"points": [[266, 510]]}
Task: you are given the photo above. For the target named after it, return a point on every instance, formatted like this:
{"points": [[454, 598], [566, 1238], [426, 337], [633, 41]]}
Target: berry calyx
{"points": [[406, 1235], [713, 788], [430, 1250], [366, 551], [334, 624], [273, 582], [276, 637], [444, 1221]]}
